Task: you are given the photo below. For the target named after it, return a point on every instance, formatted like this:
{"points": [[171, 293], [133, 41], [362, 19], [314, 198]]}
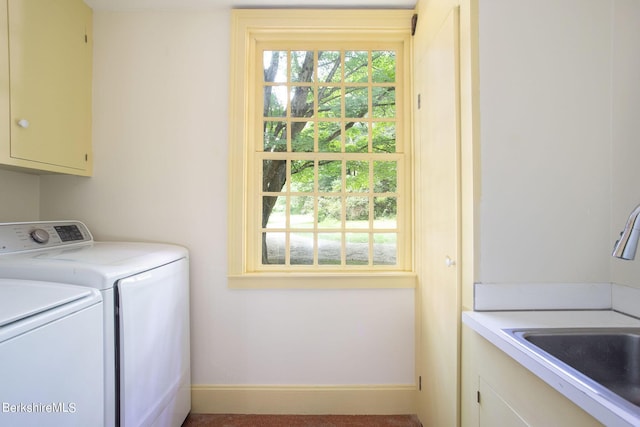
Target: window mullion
{"points": [[328, 148]]}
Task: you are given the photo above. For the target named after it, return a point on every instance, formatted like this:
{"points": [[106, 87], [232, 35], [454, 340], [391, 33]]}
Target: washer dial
{"points": [[39, 235]]}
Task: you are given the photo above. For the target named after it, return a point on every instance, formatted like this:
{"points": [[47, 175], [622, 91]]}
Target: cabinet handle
{"points": [[23, 123]]}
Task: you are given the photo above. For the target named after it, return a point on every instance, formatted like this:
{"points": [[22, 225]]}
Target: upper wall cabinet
{"points": [[45, 86]]}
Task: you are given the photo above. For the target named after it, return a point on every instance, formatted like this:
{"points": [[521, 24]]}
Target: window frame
{"points": [[251, 28]]}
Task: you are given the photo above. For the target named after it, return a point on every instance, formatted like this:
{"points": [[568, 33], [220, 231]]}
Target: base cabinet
{"points": [[493, 410], [45, 86], [498, 391]]}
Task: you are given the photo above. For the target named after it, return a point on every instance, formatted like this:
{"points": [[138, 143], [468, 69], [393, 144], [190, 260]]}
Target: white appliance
{"points": [[51, 359], [145, 289]]}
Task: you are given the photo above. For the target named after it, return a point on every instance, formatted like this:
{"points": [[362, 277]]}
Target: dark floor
{"points": [[227, 420]]}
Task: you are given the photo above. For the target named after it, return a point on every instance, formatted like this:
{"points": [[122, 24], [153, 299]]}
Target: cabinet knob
{"points": [[449, 262], [23, 123]]}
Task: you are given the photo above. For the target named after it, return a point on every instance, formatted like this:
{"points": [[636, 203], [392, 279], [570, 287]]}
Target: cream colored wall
{"points": [[625, 189], [160, 174], [545, 138], [19, 196]]}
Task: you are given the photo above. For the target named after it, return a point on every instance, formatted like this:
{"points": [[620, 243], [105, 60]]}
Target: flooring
{"points": [[234, 420]]}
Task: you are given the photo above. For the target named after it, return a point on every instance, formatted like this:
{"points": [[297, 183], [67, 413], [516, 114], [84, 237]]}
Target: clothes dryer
{"points": [[51, 358], [145, 290]]}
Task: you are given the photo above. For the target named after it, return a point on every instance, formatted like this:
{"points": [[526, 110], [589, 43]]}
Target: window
{"points": [[320, 158]]}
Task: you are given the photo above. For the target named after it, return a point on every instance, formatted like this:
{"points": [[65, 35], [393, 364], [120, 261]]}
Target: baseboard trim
{"points": [[304, 400]]}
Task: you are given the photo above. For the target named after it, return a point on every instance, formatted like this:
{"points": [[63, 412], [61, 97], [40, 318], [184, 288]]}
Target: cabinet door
{"points": [[50, 80], [4, 82], [437, 161], [494, 411]]}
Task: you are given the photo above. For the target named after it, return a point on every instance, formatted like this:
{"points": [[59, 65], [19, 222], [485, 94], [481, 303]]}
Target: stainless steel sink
{"points": [[605, 359]]}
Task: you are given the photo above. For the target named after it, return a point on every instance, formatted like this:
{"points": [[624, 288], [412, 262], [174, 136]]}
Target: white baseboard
{"points": [[304, 400]]}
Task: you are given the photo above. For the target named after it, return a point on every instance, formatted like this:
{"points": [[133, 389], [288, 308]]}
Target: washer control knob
{"points": [[40, 236]]}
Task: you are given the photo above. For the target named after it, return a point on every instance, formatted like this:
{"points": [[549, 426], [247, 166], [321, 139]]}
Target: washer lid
{"points": [[20, 299], [97, 265]]}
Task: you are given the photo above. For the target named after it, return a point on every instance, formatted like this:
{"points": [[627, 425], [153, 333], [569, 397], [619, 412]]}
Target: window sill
{"points": [[382, 280]]}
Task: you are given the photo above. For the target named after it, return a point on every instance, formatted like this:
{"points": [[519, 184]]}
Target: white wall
{"points": [[19, 196], [545, 114], [160, 149], [625, 189]]}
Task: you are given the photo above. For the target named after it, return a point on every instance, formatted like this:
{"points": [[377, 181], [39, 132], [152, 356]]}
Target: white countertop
{"points": [[490, 325]]}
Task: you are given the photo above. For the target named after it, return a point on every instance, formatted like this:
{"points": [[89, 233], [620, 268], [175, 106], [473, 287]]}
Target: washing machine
{"points": [[51, 359], [145, 292]]}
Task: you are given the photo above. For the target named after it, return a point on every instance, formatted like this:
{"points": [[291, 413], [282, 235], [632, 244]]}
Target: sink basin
{"points": [[605, 359]]}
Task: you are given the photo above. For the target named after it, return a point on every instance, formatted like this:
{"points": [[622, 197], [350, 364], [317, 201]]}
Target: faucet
{"points": [[625, 247]]}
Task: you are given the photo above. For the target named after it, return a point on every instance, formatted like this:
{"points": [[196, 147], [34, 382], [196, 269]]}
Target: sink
{"points": [[607, 360]]}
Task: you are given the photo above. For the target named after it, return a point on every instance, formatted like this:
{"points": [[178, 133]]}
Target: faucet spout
{"points": [[625, 247]]}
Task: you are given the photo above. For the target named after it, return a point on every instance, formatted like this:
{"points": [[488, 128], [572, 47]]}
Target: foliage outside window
{"points": [[329, 158], [324, 145]]}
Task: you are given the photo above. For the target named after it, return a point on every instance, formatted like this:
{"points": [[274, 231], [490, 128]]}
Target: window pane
{"points": [[337, 204], [273, 175], [384, 102], [274, 211], [275, 101], [329, 248], [301, 101], [329, 99], [302, 66], [302, 136], [383, 138], [275, 66], [385, 177], [385, 212], [275, 136], [356, 102], [330, 176], [357, 176], [356, 66], [302, 212], [357, 137], [385, 249], [357, 212], [329, 212], [329, 137], [329, 69], [273, 248], [383, 66], [301, 248], [302, 176], [357, 248]]}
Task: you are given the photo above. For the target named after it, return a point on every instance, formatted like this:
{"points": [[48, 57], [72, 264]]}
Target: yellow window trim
{"points": [[249, 28], [382, 280]]}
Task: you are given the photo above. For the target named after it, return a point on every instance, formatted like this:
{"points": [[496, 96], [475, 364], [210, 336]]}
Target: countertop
{"points": [[490, 325]]}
